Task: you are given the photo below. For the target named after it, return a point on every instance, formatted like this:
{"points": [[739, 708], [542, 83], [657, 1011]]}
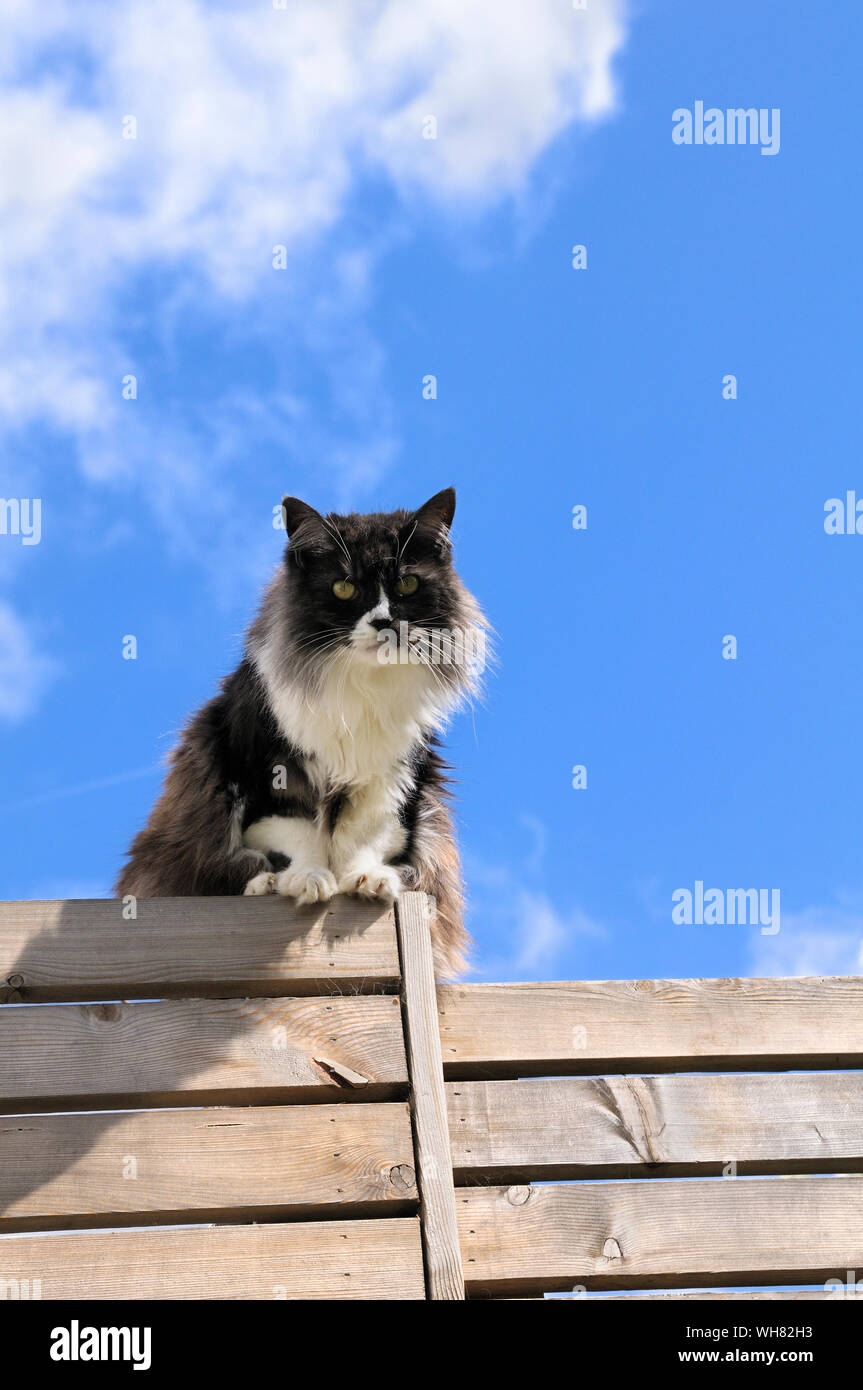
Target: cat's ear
{"points": [[306, 528], [296, 514], [431, 521]]}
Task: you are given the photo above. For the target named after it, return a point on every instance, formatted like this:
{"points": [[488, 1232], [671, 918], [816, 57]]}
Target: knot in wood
{"points": [[104, 1013], [518, 1195], [403, 1177], [611, 1250]]}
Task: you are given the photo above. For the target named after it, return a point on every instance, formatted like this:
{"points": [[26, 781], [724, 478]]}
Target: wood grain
{"points": [[619, 1126], [307, 1260], [162, 1165], [184, 947], [210, 1050], [428, 1102], [604, 1235], [577, 1027]]}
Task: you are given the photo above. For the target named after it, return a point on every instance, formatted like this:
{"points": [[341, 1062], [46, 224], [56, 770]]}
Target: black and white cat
{"points": [[316, 770]]}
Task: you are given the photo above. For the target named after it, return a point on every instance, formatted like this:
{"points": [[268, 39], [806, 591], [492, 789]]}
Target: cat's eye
{"points": [[343, 588], [408, 584]]}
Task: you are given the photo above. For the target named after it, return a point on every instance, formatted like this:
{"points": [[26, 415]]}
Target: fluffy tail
{"points": [[438, 872]]}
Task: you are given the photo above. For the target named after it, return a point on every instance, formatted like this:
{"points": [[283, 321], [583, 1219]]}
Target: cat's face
{"points": [[366, 585]]}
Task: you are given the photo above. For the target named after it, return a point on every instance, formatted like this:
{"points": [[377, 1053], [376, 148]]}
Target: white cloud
{"points": [[532, 936], [255, 127], [817, 941], [254, 121], [25, 671]]}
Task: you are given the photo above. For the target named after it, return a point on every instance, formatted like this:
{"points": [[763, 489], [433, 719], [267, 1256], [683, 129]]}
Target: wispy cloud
{"points": [[26, 671], [255, 127], [532, 934], [816, 941], [83, 788]]}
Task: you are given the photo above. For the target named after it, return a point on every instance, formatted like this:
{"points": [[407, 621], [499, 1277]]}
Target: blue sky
{"points": [[555, 387]]}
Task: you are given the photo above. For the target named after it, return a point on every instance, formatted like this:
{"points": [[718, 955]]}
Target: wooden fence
{"points": [[233, 1098]]}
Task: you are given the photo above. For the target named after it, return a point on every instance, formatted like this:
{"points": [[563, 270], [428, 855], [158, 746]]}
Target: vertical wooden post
{"points": [[444, 1276]]}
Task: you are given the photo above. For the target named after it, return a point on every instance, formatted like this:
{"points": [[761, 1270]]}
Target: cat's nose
{"points": [[381, 621]]}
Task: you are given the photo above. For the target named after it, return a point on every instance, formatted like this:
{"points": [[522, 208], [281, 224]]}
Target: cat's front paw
{"points": [[379, 881], [306, 885], [260, 885]]}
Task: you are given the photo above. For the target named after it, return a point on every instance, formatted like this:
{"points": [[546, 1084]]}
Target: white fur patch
{"points": [[299, 838], [260, 886], [307, 886], [358, 730], [380, 881], [362, 720]]}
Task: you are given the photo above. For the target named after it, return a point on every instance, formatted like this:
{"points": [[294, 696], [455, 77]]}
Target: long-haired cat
{"points": [[316, 769]]}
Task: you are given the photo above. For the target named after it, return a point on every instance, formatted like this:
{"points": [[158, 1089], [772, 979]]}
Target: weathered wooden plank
{"points": [[213, 1050], [91, 1169], [309, 1259], [618, 1126], [428, 1103], [604, 1235], [87, 950], [650, 1025]]}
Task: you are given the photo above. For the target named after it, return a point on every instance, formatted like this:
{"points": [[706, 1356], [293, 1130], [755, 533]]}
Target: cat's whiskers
{"points": [[404, 544], [318, 639], [319, 655], [338, 538]]}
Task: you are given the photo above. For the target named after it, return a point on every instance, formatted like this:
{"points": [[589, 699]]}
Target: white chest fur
{"points": [[357, 730], [360, 723]]}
